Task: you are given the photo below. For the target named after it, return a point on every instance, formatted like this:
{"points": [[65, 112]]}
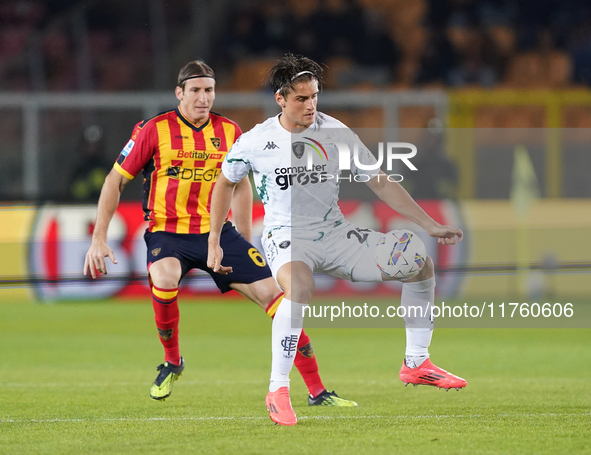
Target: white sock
{"points": [[287, 328], [413, 361], [418, 321]]}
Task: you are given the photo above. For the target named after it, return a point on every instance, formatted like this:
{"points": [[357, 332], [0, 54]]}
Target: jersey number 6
{"points": [[256, 257]]}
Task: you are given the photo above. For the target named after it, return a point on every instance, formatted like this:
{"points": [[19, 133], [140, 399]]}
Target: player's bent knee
{"points": [[299, 292], [268, 291], [427, 271], [297, 281], [261, 292], [166, 273]]}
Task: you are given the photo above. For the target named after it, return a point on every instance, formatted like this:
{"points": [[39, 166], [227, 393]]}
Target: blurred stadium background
{"points": [[494, 93], [475, 83]]}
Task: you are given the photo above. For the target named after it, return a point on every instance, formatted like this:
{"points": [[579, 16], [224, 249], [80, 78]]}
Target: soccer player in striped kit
{"points": [[180, 153]]}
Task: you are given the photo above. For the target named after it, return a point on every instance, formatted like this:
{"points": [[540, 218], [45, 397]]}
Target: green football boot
{"points": [[162, 387], [329, 399]]}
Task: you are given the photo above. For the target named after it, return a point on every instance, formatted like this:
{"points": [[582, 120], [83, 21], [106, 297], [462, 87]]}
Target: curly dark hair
{"points": [[291, 69]]}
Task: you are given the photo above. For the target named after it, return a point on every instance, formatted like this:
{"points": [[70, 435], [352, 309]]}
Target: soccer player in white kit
{"points": [[305, 231]]}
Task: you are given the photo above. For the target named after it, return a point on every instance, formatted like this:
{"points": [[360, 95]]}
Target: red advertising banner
{"points": [[61, 236]]}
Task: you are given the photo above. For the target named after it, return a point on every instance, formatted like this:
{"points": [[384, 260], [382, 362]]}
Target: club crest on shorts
{"points": [[216, 142], [284, 244], [298, 149], [156, 251]]}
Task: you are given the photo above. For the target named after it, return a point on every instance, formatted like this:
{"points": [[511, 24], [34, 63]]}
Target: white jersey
{"points": [[297, 176]]}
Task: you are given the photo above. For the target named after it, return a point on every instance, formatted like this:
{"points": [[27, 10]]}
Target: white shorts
{"points": [[345, 251]]}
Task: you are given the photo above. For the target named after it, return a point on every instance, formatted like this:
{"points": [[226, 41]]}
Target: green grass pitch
{"points": [[74, 379]]}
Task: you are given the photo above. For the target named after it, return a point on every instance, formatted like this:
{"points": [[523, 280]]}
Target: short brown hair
{"points": [[195, 68]]}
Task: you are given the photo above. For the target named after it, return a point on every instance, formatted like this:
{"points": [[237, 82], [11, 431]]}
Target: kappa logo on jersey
{"points": [[128, 147], [271, 146], [216, 141]]}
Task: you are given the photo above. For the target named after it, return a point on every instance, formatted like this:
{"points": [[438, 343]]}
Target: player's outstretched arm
{"points": [[221, 200], [108, 202], [242, 208], [397, 198]]}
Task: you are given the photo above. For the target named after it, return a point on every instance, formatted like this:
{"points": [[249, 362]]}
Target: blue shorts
{"points": [[191, 250]]}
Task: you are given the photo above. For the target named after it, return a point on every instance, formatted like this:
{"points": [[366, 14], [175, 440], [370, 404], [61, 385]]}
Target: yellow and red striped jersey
{"points": [[180, 162]]}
